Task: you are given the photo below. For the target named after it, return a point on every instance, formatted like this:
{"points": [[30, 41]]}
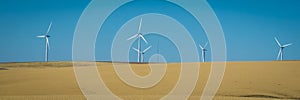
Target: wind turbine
{"points": [[142, 53], [280, 53], [46, 36], [203, 51], [140, 36]]}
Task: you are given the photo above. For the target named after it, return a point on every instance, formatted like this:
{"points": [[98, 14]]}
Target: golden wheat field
{"points": [[242, 81]]}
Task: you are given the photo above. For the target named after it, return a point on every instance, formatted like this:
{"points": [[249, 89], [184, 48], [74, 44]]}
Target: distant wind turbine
{"points": [[46, 36], [203, 51], [143, 52], [140, 36], [280, 53]]}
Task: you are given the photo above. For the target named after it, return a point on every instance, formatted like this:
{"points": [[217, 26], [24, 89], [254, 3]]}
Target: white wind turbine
{"points": [[46, 36], [139, 35], [142, 53], [203, 51], [280, 54]]}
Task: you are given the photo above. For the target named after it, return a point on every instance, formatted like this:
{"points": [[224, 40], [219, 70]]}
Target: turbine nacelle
{"points": [[47, 35]]}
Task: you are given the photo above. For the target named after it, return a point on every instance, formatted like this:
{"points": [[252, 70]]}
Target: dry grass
{"points": [[36, 64], [242, 80]]}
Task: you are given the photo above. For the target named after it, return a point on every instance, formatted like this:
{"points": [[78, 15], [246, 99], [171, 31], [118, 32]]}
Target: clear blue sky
{"points": [[249, 26]]}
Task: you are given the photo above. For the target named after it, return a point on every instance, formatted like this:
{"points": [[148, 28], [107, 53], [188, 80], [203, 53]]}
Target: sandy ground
{"points": [[242, 81]]}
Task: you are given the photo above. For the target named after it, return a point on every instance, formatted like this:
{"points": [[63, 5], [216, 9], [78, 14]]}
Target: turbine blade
{"points": [[143, 38], [287, 45], [140, 26], [42, 36], [201, 46], [147, 49], [49, 28], [136, 49], [278, 54], [277, 41], [133, 36], [205, 44]]}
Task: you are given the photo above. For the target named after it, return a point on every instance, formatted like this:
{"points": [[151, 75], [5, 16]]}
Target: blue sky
{"points": [[249, 27]]}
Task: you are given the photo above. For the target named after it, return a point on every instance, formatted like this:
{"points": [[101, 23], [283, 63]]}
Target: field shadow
{"points": [[3, 69], [261, 96], [267, 96]]}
